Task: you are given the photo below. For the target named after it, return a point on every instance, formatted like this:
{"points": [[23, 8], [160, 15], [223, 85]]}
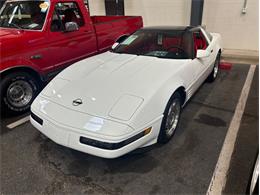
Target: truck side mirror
{"points": [[202, 53], [114, 45], [71, 26]]}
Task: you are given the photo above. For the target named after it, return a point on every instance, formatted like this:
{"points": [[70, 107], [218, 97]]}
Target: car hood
{"points": [[111, 85], [13, 41], [6, 33]]}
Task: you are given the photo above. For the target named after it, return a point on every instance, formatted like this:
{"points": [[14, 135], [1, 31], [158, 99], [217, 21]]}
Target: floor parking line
{"points": [[19, 122], [218, 180]]}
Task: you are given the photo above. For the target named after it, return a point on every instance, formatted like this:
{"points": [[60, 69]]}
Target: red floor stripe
{"points": [[225, 65]]}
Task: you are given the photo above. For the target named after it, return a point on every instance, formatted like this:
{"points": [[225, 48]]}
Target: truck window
{"points": [[66, 12], [28, 15]]}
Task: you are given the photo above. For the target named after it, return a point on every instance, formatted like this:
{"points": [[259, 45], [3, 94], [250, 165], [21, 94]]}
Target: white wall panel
{"points": [[160, 12], [97, 7], [239, 31]]}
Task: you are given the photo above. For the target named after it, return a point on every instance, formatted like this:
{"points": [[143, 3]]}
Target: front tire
{"points": [[213, 75], [18, 91], [171, 118]]}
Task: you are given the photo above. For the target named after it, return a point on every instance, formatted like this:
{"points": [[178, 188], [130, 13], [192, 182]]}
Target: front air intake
{"points": [[36, 118]]}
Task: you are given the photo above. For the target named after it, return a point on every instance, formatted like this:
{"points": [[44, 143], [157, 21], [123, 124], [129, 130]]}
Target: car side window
{"points": [[208, 35], [66, 12], [200, 41]]}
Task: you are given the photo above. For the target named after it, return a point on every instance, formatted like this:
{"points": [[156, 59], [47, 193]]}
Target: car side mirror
{"points": [[71, 26], [114, 45], [202, 53]]}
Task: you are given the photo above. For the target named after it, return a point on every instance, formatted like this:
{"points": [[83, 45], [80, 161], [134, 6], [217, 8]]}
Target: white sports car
{"points": [[130, 97]]}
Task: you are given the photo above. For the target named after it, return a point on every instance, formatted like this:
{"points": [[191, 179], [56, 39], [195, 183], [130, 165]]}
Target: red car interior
{"points": [[170, 41], [199, 42]]}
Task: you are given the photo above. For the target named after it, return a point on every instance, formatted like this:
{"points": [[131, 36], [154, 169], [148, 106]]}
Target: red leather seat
{"points": [[199, 43], [168, 42]]}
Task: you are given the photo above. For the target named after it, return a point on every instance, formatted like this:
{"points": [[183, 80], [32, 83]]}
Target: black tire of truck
{"points": [[18, 91]]}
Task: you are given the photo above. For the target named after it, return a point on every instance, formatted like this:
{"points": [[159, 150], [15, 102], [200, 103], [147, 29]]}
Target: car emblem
{"points": [[77, 102]]}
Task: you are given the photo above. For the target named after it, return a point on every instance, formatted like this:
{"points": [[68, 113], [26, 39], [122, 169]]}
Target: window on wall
{"points": [[114, 7]]}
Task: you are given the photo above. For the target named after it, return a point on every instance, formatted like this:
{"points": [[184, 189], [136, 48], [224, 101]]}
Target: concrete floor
{"points": [[247, 143], [32, 164]]}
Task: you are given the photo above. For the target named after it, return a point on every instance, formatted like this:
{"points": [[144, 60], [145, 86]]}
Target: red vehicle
{"points": [[40, 38]]}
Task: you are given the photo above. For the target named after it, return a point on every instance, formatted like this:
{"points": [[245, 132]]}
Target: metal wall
{"points": [[163, 12], [239, 31], [97, 7]]}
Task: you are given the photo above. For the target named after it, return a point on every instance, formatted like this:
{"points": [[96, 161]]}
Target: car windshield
{"points": [[24, 14], [172, 44]]}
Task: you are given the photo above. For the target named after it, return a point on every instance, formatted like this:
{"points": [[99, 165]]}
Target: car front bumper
{"points": [[75, 140], [112, 140]]}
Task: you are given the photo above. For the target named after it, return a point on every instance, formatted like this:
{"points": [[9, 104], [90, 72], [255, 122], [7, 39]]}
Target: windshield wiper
{"points": [[121, 52]]}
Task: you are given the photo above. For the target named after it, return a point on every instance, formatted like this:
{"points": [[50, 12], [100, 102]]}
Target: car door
{"points": [[74, 45], [211, 47], [201, 66]]}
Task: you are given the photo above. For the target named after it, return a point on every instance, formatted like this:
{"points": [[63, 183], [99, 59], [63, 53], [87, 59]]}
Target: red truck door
{"points": [[74, 45]]}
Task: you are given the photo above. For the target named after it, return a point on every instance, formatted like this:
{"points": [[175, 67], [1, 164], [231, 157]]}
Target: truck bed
{"points": [[111, 28], [103, 19]]}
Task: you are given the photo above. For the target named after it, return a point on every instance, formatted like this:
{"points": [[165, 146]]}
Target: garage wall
{"points": [[223, 16], [163, 12], [154, 12], [239, 31], [97, 7]]}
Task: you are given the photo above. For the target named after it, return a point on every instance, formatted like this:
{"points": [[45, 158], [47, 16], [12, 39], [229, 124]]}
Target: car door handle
{"points": [[35, 57]]}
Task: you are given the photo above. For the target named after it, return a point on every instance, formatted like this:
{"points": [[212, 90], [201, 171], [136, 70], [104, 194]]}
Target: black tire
{"points": [[213, 75], [165, 135], [18, 91]]}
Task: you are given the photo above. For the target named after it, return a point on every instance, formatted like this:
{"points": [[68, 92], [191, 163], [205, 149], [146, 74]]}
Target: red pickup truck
{"points": [[40, 38]]}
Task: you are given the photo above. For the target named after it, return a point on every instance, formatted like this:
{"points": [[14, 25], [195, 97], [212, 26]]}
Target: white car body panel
{"points": [[104, 81], [122, 95]]}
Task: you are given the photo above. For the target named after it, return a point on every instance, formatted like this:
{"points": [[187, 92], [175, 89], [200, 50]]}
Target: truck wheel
{"points": [[18, 91], [170, 119]]}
